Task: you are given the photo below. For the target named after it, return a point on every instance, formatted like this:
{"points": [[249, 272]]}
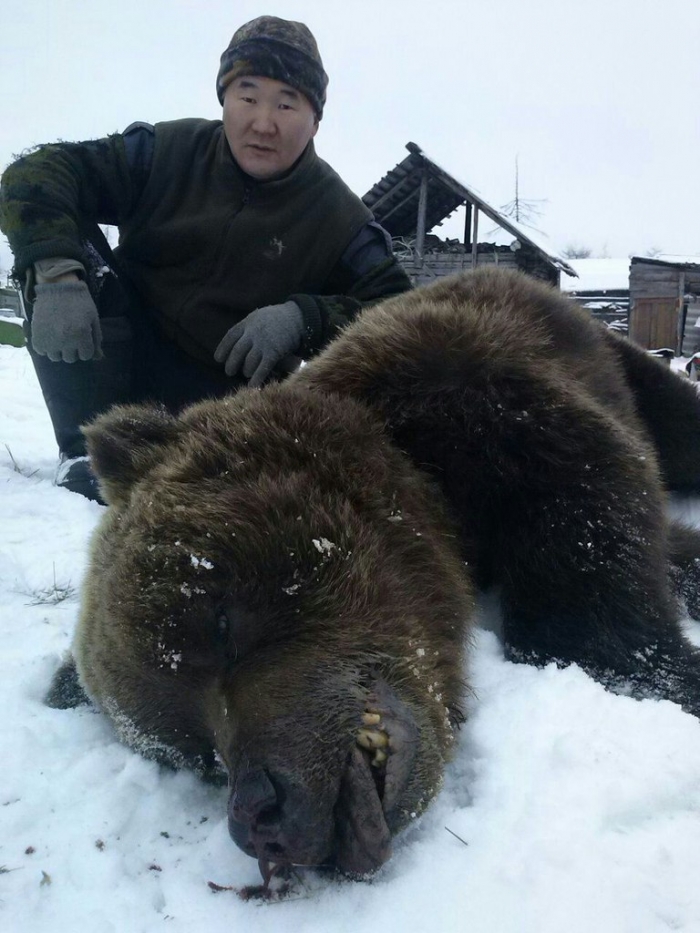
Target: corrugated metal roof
{"points": [[394, 199], [394, 202]]}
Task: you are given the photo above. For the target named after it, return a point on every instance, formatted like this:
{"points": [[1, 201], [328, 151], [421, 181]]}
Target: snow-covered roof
{"points": [[598, 275], [605, 275], [670, 259]]}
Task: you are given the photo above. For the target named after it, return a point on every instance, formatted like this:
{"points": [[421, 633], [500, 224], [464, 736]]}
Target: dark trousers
{"points": [[139, 365]]}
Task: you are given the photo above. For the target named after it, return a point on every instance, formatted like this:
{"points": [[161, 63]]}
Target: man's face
{"points": [[268, 125]]}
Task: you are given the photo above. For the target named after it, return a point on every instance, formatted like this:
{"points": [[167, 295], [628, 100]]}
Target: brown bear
{"points": [[282, 584], [276, 591]]}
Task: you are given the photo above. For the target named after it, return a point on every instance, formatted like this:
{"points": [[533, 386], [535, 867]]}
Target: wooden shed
{"points": [[9, 298], [417, 195], [665, 303]]}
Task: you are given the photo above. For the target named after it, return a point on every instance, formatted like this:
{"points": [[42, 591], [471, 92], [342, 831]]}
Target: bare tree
{"points": [[577, 251], [523, 210]]}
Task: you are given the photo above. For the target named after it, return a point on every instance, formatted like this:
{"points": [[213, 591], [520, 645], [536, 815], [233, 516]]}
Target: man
{"points": [[240, 251]]}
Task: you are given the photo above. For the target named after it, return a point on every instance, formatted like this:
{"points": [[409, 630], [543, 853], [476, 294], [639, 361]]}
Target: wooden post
{"points": [[422, 209], [475, 238], [467, 225], [681, 318]]}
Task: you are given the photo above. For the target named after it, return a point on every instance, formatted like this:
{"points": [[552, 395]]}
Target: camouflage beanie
{"points": [[275, 48]]}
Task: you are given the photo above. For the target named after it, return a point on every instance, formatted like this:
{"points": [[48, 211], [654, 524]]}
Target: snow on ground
{"points": [[575, 809]]}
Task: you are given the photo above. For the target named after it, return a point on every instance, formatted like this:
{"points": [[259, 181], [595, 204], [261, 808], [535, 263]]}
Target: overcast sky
{"points": [[599, 100]]}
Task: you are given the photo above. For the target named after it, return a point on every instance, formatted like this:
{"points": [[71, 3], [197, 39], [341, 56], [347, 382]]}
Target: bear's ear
{"points": [[124, 443]]}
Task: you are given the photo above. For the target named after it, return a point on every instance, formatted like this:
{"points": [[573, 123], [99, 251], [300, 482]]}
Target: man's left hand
{"points": [[260, 341]]}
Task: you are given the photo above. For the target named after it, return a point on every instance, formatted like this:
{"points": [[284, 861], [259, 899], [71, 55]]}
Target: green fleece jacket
{"points": [[201, 242]]}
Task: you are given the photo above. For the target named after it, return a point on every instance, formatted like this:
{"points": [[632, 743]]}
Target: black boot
{"points": [[75, 475]]}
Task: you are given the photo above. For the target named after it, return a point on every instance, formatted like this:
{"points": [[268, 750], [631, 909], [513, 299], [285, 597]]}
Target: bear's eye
{"points": [[223, 627], [235, 630]]}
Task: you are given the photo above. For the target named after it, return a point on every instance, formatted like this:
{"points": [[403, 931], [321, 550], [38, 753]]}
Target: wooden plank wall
{"points": [[656, 303], [653, 323], [649, 281], [437, 265]]}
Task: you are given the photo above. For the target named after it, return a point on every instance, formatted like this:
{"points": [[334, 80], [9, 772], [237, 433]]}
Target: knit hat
{"points": [[275, 48]]}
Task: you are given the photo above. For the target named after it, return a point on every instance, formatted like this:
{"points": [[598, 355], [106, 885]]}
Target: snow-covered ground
{"points": [[575, 809]]}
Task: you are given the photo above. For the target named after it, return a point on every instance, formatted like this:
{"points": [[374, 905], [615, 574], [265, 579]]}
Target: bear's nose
{"points": [[253, 794], [254, 816]]}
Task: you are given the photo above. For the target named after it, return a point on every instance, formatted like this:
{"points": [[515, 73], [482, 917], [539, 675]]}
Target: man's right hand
{"points": [[65, 325]]}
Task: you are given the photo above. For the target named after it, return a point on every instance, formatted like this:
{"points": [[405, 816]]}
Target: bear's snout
{"points": [[272, 820], [254, 816]]}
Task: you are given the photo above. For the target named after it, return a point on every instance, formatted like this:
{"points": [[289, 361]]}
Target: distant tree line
{"points": [[579, 251]]}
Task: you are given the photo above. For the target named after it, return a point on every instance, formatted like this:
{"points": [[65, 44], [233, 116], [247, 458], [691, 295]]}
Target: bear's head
{"points": [[276, 592]]}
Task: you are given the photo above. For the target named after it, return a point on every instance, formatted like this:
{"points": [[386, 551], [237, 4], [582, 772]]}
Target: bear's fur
{"points": [[278, 585], [542, 431]]}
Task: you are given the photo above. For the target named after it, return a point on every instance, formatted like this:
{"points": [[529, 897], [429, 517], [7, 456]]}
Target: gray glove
{"points": [[65, 323], [260, 341]]}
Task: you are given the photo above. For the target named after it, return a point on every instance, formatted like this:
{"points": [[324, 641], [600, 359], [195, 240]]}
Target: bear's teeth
{"points": [[371, 719], [371, 739], [380, 757]]}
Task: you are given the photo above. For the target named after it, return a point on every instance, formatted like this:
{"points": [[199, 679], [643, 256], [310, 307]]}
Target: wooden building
{"points": [[417, 195], [665, 303]]}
